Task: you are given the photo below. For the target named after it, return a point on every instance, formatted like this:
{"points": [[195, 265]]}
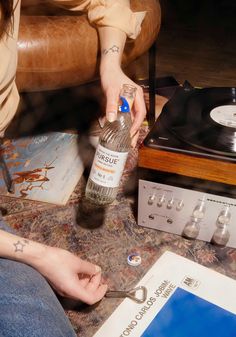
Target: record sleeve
{"points": [[44, 167], [184, 299]]}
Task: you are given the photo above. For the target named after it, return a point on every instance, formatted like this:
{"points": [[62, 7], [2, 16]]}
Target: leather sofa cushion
{"points": [[59, 48]]}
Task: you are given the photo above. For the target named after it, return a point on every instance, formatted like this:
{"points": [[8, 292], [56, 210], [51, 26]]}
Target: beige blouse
{"points": [[100, 12]]}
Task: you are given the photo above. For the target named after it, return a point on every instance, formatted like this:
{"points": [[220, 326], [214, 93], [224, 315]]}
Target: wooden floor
{"points": [[197, 42]]}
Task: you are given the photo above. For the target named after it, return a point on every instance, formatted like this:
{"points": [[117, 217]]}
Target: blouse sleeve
{"points": [[109, 13]]}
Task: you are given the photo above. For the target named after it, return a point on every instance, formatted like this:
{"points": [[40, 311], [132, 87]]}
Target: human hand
{"points": [[112, 79], [71, 276]]}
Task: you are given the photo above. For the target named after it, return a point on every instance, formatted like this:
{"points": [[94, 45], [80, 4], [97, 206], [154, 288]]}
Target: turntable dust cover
{"points": [[183, 299]]}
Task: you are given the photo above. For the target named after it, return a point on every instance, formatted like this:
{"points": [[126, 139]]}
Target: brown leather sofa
{"points": [[59, 48]]}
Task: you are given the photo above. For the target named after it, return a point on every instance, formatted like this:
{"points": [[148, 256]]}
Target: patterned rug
{"points": [[107, 237]]}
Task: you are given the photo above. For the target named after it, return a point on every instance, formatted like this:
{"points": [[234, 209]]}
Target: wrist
{"points": [[33, 253], [20, 249], [109, 67]]}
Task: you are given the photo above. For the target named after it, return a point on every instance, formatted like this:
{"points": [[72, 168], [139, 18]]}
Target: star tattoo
{"points": [[19, 246]]}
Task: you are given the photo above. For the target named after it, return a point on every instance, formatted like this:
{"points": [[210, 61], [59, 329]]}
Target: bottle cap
{"points": [[134, 259], [123, 105]]}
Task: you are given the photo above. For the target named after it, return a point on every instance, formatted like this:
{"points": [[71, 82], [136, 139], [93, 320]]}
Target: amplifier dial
{"points": [[191, 230], [221, 235], [223, 217], [170, 203], [180, 205], [151, 199], [161, 201], [199, 211]]}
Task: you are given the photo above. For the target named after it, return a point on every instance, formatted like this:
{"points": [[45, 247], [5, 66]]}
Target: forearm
{"points": [[23, 250], [67, 273], [112, 42]]}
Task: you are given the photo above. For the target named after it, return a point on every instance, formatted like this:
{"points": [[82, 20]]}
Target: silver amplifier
{"points": [[194, 214]]}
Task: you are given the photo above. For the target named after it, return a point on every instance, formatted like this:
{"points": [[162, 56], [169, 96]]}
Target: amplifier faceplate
{"points": [[186, 212]]}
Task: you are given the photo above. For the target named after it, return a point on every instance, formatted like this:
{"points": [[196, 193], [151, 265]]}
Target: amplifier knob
{"points": [[223, 217], [151, 199], [170, 203], [199, 211], [161, 201], [180, 205], [221, 236], [191, 230]]}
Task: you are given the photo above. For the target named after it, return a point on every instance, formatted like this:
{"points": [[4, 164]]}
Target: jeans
{"points": [[28, 305]]}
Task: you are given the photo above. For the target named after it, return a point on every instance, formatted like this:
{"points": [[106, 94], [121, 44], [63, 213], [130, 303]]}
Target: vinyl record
{"points": [[204, 118]]}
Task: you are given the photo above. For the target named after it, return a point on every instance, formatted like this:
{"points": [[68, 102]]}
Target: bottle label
{"points": [[107, 167]]}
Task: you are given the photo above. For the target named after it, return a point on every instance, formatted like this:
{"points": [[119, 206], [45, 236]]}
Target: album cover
{"points": [[45, 167], [183, 299]]}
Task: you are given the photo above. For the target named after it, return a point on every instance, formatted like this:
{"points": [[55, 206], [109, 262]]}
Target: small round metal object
{"points": [[134, 259]]}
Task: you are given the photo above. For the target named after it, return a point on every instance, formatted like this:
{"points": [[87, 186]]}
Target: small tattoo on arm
{"points": [[113, 49], [19, 245]]}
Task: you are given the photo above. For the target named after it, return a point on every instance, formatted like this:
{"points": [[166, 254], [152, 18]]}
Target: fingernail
{"points": [[111, 116], [98, 269]]}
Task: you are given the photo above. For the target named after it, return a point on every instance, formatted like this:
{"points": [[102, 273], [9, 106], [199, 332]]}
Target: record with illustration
{"points": [[202, 118]]}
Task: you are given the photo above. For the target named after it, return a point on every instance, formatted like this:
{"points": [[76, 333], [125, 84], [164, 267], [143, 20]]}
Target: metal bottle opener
{"points": [[132, 294]]}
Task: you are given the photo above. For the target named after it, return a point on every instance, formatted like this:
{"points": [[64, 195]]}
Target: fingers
{"points": [[134, 139], [112, 96], [84, 280], [140, 112], [89, 288], [97, 295], [94, 282], [139, 109], [85, 267], [92, 292], [102, 121], [90, 281], [95, 290], [112, 103]]}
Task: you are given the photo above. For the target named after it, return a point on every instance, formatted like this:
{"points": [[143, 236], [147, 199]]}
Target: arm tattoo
{"points": [[113, 49], [19, 245]]}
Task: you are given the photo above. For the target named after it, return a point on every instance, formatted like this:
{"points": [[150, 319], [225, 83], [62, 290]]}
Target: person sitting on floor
{"points": [[28, 306]]}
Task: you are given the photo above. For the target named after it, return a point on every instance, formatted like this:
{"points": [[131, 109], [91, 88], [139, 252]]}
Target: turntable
{"points": [[187, 167]]}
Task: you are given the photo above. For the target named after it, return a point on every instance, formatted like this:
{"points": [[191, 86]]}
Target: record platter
{"points": [[187, 167]]}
